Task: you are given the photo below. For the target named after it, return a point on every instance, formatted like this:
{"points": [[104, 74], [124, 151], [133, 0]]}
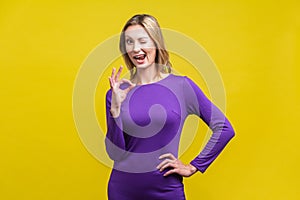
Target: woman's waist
{"points": [[140, 162], [149, 179]]}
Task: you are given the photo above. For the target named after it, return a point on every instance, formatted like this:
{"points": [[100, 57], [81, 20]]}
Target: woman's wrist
{"points": [[193, 168], [115, 112]]}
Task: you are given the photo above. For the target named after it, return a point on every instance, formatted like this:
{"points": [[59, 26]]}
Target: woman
{"points": [[145, 116]]}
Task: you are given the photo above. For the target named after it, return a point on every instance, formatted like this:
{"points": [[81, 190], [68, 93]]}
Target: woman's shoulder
{"points": [[185, 82], [180, 78]]}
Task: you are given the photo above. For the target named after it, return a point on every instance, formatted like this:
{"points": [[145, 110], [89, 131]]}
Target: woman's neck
{"points": [[146, 75]]}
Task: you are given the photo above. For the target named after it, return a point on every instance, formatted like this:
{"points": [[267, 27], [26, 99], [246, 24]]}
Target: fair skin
{"points": [[141, 50]]}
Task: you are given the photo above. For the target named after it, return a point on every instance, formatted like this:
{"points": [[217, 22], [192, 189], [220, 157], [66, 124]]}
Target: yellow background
{"points": [[255, 45]]}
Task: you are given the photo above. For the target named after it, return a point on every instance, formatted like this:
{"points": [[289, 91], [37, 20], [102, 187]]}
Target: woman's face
{"points": [[139, 46]]}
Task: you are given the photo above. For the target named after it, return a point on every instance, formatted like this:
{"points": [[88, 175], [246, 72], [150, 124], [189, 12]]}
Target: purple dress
{"points": [[149, 125]]}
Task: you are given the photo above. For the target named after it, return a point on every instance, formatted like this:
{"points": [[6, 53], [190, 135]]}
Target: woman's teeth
{"points": [[139, 57]]}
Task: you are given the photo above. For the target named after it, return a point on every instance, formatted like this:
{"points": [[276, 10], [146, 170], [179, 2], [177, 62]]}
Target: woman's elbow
{"points": [[230, 133]]}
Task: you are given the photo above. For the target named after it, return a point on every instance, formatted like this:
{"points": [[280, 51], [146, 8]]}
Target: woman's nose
{"points": [[136, 47]]}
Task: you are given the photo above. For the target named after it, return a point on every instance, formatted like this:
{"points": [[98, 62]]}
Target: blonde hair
{"points": [[151, 26]]}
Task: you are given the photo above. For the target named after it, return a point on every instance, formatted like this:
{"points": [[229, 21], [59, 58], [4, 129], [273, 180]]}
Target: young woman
{"points": [[145, 116]]}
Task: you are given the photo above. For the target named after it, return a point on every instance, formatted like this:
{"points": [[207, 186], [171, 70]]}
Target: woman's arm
{"points": [[197, 103], [222, 131], [114, 141]]}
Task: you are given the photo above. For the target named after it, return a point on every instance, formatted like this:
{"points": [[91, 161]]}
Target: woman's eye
{"points": [[143, 42], [129, 41]]}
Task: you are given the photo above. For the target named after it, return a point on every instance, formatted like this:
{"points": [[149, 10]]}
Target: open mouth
{"points": [[140, 58]]}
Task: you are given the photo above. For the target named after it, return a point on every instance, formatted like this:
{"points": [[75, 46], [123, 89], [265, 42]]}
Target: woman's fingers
{"points": [[175, 166], [131, 85], [113, 73], [163, 163], [167, 155], [168, 162], [118, 73], [111, 78], [128, 89], [169, 165], [114, 78], [172, 171], [127, 81], [110, 82]]}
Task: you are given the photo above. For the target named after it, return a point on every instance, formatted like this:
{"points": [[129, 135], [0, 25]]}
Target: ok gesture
{"points": [[118, 95]]}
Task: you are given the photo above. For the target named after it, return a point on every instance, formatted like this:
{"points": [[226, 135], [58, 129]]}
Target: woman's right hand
{"points": [[118, 95]]}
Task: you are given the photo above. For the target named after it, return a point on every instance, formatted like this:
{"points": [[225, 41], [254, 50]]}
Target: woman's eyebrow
{"points": [[144, 37]]}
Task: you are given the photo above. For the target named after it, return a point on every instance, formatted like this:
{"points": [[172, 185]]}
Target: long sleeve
{"points": [[114, 141], [222, 131]]}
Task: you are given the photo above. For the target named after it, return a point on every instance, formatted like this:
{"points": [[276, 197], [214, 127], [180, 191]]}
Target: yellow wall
{"points": [[255, 45]]}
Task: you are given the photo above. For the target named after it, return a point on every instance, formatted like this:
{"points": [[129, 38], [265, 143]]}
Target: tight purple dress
{"points": [[149, 125]]}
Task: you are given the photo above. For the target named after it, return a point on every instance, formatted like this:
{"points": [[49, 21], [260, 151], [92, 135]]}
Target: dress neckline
{"points": [[161, 80]]}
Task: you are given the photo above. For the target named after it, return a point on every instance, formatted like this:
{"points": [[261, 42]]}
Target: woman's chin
{"points": [[142, 66]]}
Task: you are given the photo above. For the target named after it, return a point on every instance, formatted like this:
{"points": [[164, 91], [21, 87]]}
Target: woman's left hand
{"points": [[177, 165]]}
